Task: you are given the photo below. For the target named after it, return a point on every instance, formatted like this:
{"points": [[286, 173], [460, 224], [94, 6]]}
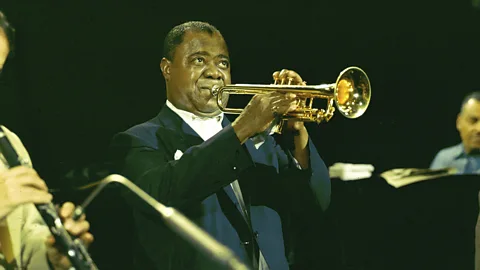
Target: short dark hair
{"points": [[176, 34], [8, 30], [473, 95]]}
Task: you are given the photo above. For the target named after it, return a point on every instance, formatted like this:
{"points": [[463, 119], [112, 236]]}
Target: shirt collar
{"points": [[460, 151], [190, 117]]}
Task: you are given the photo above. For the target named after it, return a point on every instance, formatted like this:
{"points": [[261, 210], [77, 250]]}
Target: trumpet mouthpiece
{"points": [[215, 90]]}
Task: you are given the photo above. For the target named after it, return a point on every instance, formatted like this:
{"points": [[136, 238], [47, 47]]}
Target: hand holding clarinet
{"points": [[20, 184]]}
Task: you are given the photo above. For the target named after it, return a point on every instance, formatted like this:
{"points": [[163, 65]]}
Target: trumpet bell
{"points": [[352, 92]]}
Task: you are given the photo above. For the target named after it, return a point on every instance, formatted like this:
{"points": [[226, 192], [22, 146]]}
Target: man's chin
{"points": [[474, 146], [210, 112]]}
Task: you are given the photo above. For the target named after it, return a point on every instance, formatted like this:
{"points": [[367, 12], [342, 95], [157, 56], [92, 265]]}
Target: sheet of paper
{"points": [[405, 176]]}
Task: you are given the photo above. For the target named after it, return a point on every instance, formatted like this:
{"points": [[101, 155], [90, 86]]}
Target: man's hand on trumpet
{"points": [[260, 112], [290, 77], [263, 109], [300, 133]]}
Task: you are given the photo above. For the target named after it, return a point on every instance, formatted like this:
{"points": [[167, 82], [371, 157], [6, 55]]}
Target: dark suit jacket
{"points": [[274, 189]]}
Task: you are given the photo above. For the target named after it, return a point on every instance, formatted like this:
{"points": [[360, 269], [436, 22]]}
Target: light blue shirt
{"points": [[456, 157]]}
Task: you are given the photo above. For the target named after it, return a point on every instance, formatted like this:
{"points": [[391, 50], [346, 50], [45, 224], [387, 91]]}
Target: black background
{"points": [[84, 70]]}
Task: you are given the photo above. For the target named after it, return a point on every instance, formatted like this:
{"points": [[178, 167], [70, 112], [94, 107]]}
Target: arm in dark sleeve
{"points": [[305, 212], [200, 172], [304, 187], [290, 188]]}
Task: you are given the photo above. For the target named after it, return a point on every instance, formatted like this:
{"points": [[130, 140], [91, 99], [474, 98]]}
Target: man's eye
{"points": [[199, 60], [224, 64]]}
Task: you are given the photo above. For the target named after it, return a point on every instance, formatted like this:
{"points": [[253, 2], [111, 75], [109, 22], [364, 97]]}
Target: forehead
{"points": [[194, 42], [472, 107], [4, 49]]}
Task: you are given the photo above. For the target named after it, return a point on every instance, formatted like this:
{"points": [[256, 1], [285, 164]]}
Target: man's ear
{"points": [[165, 67], [458, 121]]}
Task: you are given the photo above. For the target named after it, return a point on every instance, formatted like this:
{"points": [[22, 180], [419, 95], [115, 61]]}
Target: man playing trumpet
{"points": [[194, 159]]}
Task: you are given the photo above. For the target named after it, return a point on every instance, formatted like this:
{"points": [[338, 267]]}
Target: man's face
{"points": [[468, 125], [199, 62], [4, 48]]}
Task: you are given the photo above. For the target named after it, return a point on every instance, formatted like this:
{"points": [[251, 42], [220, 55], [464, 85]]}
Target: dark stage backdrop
{"points": [[84, 70]]}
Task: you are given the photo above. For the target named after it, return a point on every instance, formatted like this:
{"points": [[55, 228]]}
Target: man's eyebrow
{"points": [[224, 56], [200, 53], [205, 53]]}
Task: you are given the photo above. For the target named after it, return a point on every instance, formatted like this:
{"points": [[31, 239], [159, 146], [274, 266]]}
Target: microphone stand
{"points": [[175, 221]]}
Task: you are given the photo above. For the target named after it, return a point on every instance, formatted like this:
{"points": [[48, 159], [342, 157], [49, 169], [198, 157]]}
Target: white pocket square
{"points": [[178, 155]]}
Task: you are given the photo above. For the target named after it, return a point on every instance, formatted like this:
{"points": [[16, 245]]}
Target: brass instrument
{"points": [[351, 94]]}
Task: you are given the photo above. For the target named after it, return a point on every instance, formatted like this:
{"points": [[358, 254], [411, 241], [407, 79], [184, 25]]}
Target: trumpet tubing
{"points": [[351, 94]]}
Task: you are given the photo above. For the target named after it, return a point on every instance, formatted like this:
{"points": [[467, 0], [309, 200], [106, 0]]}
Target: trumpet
{"points": [[351, 94]]}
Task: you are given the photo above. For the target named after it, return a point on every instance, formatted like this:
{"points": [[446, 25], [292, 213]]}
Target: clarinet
{"points": [[74, 249]]}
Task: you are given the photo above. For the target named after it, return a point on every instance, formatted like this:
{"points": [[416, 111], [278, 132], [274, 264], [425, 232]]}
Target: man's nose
{"points": [[213, 72], [476, 127]]}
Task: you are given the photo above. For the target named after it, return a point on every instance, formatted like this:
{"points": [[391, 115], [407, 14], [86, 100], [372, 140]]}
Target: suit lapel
{"points": [[178, 135], [242, 226], [250, 147], [228, 189], [174, 132], [260, 157]]}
